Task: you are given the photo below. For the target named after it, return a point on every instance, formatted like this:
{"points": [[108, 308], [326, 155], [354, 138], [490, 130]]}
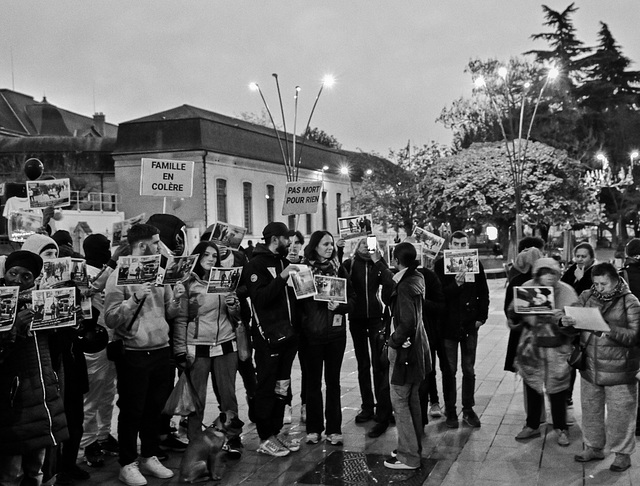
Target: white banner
{"points": [[169, 178], [301, 197]]}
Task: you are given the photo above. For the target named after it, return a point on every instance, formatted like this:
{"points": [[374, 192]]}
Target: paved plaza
{"points": [[464, 456]]}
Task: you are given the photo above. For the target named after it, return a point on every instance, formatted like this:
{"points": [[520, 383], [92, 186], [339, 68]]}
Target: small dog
{"points": [[202, 460]]}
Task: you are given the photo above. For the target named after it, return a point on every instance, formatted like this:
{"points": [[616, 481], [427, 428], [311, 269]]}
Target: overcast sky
{"points": [[397, 63]]}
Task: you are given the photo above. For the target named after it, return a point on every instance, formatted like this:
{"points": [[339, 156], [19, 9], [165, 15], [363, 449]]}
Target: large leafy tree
{"points": [[475, 184], [395, 193]]}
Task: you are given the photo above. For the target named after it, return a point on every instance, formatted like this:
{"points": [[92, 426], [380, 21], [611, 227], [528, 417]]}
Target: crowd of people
{"points": [[62, 384]]}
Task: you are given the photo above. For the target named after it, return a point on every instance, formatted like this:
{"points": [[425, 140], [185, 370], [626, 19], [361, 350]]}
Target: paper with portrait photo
{"points": [[456, 261], [8, 307], [330, 289], [223, 280], [53, 308], [533, 300]]}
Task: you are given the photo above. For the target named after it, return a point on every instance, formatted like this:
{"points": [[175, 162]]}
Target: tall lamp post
{"points": [[516, 150]]}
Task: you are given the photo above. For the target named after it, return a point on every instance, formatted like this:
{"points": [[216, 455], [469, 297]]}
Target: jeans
{"points": [[22, 470], [99, 400], [364, 333], [618, 431], [535, 404], [406, 405], [144, 384], [223, 370], [273, 368], [449, 367], [327, 355]]}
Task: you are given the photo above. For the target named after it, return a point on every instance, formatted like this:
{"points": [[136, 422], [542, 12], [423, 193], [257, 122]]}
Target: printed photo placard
{"points": [[56, 270], [22, 224], [431, 242], [355, 226], [8, 307], [225, 234], [54, 192], [303, 282], [136, 270], [533, 300], [53, 308], [330, 289], [456, 261], [120, 229], [178, 269], [223, 280]]}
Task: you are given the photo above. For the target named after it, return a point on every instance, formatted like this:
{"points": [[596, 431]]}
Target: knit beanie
{"points": [[62, 237], [38, 243], [549, 263], [25, 259], [97, 250], [526, 258], [633, 247]]}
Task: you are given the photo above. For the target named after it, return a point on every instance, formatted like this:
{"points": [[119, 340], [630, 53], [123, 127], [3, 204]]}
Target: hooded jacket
{"points": [[365, 279], [613, 359], [272, 300]]}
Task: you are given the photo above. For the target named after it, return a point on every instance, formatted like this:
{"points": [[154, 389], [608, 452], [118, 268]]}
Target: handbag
{"points": [[578, 358]]}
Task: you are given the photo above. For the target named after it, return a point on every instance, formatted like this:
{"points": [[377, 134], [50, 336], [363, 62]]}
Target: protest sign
{"points": [[225, 234], [356, 226], [178, 269], [223, 280], [50, 193], [533, 300], [169, 178], [53, 308], [301, 197], [22, 224], [456, 261], [330, 289], [432, 242], [136, 270], [8, 307]]}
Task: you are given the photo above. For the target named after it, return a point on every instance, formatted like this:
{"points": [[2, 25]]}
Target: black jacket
{"points": [[366, 280], [464, 305], [273, 301], [581, 285]]}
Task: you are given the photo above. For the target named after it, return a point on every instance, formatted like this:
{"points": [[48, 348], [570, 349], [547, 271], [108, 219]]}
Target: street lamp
{"points": [[516, 152]]}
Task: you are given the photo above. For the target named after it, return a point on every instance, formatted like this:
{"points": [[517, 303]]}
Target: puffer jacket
{"points": [[544, 346], [320, 325], [203, 318], [365, 278], [613, 360], [31, 410]]}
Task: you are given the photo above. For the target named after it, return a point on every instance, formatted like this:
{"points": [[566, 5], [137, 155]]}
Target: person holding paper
{"points": [[613, 359], [324, 328], [38, 421], [204, 342], [543, 349]]}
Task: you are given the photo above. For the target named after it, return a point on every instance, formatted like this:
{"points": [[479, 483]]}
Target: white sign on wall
{"points": [[301, 197], [168, 178]]}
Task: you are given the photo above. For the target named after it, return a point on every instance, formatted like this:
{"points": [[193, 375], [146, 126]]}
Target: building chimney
{"points": [[98, 123]]}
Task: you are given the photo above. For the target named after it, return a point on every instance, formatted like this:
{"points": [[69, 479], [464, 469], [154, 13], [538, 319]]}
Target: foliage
{"points": [[394, 192], [475, 185], [323, 138]]}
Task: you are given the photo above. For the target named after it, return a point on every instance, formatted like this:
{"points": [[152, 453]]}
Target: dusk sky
{"points": [[396, 63]]}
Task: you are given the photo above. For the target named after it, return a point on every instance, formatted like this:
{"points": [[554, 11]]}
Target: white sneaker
{"points": [[153, 467], [272, 447], [435, 410], [303, 414], [290, 443], [313, 438], [131, 475], [335, 439], [287, 414]]}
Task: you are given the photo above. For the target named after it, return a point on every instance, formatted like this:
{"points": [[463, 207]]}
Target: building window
{"points": [[339, 205], [221, 194], [324, 210], [271, 200], [309, 226], [248, 206], [292, 221]]}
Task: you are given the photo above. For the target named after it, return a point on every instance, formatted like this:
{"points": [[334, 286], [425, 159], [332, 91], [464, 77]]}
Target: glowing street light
{"points": [[633, 156], [368, 172], [344, 170]]}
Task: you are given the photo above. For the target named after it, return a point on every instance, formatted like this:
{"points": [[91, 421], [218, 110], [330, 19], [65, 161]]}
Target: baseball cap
{"points": [[276, 228]]}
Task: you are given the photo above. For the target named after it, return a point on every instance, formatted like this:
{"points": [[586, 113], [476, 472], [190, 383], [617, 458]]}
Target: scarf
{"points": [[620, 289], [329, 267]]}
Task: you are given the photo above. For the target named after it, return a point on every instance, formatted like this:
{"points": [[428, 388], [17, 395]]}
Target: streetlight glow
{"points": [[253, 86], [369, 172], [328, 81], [527, 85], [633, 155], [554, 72], [325, 167], [344, 170], [480, 82], [502, 72]]}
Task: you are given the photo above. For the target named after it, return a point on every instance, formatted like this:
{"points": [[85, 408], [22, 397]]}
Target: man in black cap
{"points": [[274, 333]]}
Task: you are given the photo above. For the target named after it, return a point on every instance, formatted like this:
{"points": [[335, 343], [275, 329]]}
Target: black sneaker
{"points": [[452, 419], [93, 455], [234, 448], [364, 416], [161, 455], [71, 475], [172, 443], [378, 429], [470, 418], [109, 446]]}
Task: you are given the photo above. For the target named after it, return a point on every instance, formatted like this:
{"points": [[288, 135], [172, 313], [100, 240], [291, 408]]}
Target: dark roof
{"points": [[22, 116], [84, 226], [187, 128], [56, 144]]}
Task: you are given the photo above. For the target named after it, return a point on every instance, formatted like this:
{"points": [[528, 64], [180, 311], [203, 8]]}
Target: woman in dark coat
{"points": [[31, 411]]}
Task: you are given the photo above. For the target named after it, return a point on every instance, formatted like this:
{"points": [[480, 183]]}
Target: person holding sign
{"points": [[204, 342], [138, 314], [543, 349], [32, 421], [612, 361], [324, 329]]}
